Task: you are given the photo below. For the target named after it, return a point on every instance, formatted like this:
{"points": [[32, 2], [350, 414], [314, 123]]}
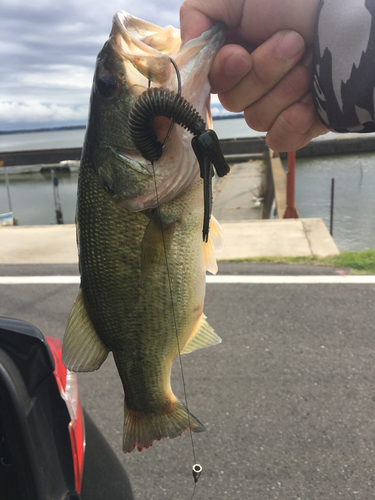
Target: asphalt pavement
{"points": [[288, 398]]}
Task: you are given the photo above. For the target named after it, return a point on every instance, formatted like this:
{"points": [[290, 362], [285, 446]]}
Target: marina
{"points": [[32, 192]]}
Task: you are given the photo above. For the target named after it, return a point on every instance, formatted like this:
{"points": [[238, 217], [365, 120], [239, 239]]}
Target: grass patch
{"points": [[362, 262]]}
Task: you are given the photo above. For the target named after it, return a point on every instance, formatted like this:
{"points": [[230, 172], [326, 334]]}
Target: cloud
{"points": [[17, 112], [63, 76], [48, 50]]}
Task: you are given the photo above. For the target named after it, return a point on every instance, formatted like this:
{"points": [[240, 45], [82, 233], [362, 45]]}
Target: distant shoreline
{"points": [[44, 129], [228, 117], [81, 127]]}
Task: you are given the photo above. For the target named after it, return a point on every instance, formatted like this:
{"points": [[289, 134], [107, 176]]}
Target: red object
{"points": [[291, 210], [68, 387]]}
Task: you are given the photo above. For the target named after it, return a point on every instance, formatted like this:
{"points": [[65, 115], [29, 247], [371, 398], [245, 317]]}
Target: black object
{"points": [[35, 452], [157, 101], [332, 206], [58, 210]]}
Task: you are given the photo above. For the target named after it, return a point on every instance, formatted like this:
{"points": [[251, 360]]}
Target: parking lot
{"points": [[288, 398]]}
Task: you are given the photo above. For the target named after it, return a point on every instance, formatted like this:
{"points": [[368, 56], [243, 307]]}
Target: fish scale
{"points": [[128, 300], [104, 264], [142, 265]]}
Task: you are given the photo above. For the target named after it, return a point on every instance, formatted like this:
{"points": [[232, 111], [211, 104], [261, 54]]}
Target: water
{"points": [[73, 138], [33, 200], [354, 206], [53, 139], [354, 215], [235, 128]]}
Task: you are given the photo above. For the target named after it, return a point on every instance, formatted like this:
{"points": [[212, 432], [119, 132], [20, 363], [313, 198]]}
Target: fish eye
{"points": [[107, 86]]}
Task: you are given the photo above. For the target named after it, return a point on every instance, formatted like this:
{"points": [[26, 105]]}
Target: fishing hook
{"points": [[157, 101]]}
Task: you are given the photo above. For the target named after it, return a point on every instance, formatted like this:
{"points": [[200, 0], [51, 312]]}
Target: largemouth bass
{"points": [[139, 230]]}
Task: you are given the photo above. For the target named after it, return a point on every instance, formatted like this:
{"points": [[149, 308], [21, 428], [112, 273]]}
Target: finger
{"points": [[258, 20], [295, 127], [233, 37], [230, 65], [261, 115], [197, 16], [271, 61], [193, 22]]}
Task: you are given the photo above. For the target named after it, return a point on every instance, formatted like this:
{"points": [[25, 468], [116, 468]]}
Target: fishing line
{"points": [[166, 261], [179, 95], [160, 102], [195, 485], [197, 468], [157, 101]]}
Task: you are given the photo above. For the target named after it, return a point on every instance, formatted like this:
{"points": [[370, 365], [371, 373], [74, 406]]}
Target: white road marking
{"points": [[39, 280], [293, 280], [221, 279]]}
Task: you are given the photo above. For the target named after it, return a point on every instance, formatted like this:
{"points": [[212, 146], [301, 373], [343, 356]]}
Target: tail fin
{"points": [[140, 430]]}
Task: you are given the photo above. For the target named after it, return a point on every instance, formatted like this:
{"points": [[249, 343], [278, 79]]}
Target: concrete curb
{"points": [[243, 239], [276, 238], [54, 244]]}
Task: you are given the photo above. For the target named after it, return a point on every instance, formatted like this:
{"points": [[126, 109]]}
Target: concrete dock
{"points": [[236, 206], [245, 238]]}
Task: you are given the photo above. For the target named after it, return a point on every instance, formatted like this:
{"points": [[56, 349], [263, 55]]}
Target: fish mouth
{"points": [[146, 50]]}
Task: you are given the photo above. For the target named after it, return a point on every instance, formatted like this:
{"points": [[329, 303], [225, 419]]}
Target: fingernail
{"points": [[290, 45], [237, 65]]}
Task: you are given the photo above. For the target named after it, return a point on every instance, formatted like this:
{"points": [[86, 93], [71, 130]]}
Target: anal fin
{"points": [[203, 336], [83, 350]]}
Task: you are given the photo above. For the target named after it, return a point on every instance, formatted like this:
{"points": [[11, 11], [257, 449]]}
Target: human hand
{"points": [[265, 69]]}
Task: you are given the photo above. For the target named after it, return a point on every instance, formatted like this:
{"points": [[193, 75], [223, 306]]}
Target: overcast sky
{"points": [[48, 50]]}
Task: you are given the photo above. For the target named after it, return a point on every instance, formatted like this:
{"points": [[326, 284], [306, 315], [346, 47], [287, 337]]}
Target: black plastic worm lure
{"points": [[155, 102]]}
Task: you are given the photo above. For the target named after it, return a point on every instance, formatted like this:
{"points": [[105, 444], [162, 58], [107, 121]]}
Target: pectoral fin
{"points": [[203, 336], [83, 350], [156, 241]]}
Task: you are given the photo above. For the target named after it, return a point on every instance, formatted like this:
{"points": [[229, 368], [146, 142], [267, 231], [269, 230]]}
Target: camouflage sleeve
{"points": [[344, 65]]}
